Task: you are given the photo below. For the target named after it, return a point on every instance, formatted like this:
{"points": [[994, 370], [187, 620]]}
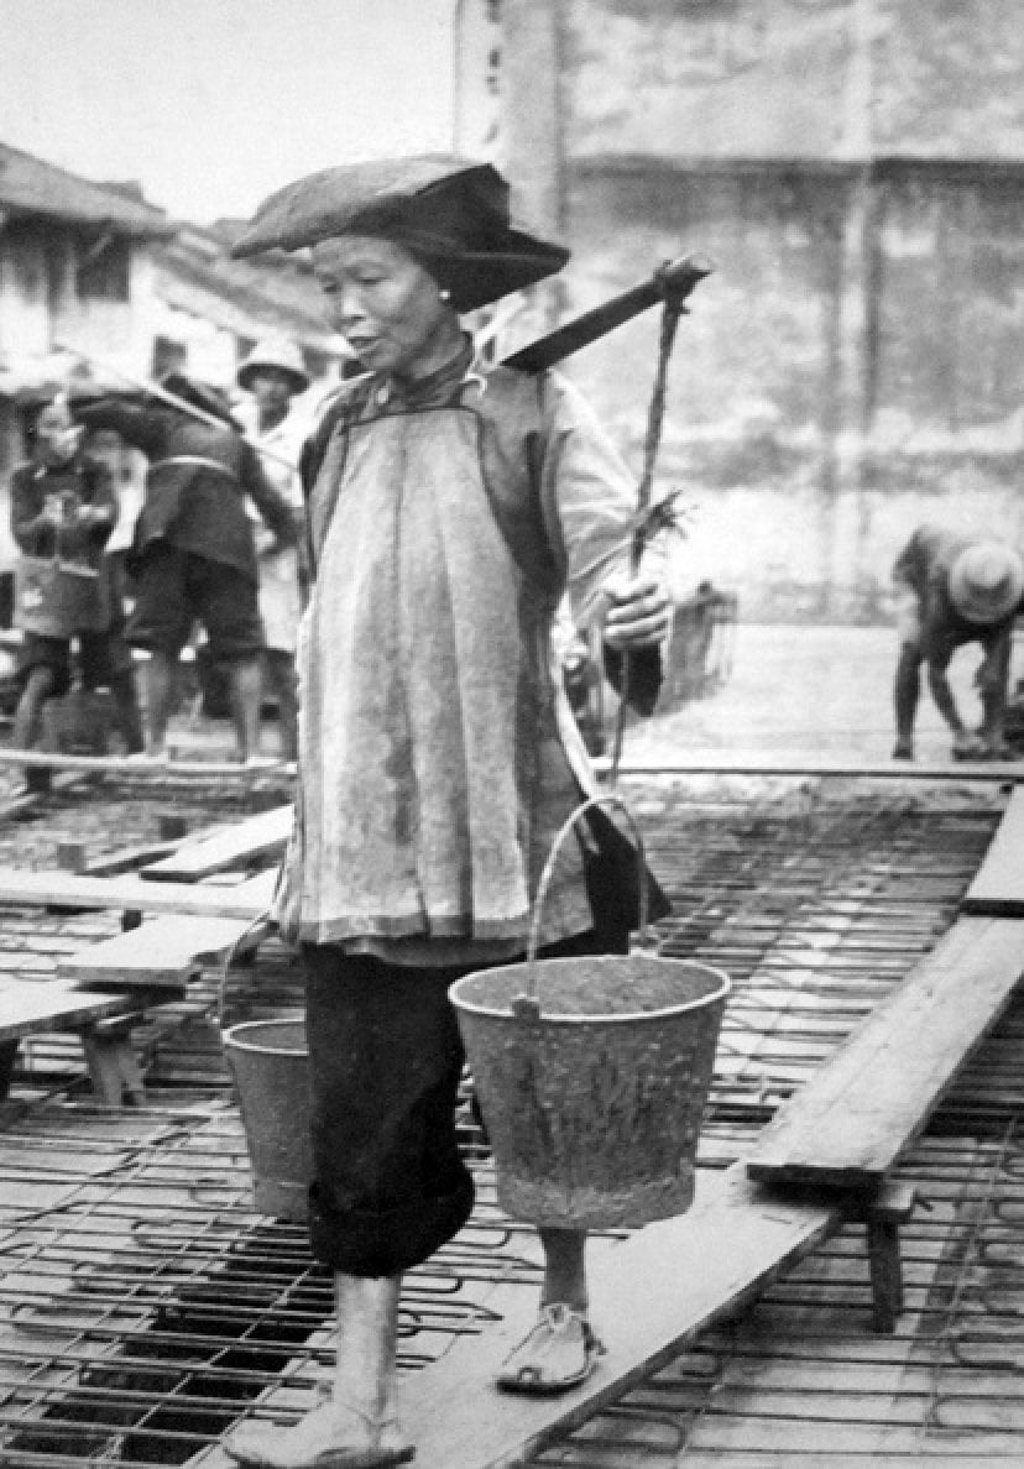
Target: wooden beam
{"points": [[860, 1110], [257, 836], [655, 1292], [163, 954], [754, 763], [24, 888], [30, 1007], [998, 886], [135, 766]]}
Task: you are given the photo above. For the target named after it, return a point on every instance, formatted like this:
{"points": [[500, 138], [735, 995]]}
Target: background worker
{"points": [[274, 374], [953, 590], [193, 556], [64, 504], [450, 507]]}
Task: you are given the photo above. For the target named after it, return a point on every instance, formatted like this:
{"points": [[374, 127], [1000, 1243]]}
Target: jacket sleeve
{"points": [[272, 506], [588, 499], [30, 529]]}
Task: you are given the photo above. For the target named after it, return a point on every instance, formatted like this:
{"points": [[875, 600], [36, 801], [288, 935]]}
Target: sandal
{"points": [[560, 1352]]}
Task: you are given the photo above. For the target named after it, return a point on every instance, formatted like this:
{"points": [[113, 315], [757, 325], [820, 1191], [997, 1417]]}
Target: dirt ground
{"points": [[819, 691]]}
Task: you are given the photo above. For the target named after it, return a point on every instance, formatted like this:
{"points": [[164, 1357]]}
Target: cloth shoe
{"points": [[317, 1442]]}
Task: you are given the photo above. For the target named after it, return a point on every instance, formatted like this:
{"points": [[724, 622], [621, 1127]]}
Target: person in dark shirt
{"points": [[953, 590], [63, 504], [193, 556]]}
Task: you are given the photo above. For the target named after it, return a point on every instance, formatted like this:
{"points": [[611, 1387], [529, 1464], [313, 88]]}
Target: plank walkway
{"points": [[849, 1123], [135, 894], [162, 954], [258, 836], [998, 886]]}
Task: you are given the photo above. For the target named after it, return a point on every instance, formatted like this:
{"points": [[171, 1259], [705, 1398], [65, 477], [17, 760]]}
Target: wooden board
{"points": [[650, 1295], [34, 1008], [134, 766], [164, 953], [755, 763], [256, 836], [858, 1112], [998, 886], [133, 894]]}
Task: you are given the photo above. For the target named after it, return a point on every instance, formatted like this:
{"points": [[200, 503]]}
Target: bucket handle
{"points": [[527, 1004]]}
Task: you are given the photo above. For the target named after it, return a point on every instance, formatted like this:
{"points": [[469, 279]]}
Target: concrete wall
{"points": [[854, 170]]}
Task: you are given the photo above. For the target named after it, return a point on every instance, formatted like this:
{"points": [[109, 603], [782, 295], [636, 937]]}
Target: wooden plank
{"points": [[998, 886], [656, 1291], [257, 836], [32, 1008], [165, 953], [1002, 772], [133, 894], [858, 1112], [139, 766]]}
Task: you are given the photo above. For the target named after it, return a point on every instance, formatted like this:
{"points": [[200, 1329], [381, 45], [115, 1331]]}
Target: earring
{"points": [[445, 295]]}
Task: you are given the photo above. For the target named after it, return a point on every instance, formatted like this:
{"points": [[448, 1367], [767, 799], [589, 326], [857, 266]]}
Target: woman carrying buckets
{"points": [[450, 506]]}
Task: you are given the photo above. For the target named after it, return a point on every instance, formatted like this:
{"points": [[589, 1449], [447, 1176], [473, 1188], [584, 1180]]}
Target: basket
{"points": [[57, 599], [593, 1105]]}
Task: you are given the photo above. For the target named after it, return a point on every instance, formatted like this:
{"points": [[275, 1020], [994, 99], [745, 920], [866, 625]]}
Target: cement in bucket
{"points": [[592, 1073], [270, 1065], [593, 1106]]}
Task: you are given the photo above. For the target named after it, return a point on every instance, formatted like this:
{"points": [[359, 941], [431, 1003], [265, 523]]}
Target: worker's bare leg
{"points": [[279, 667], [161, 690], [562, 1348], [127, 712], [360, 1414], [906, 695], [28, 718], [993, 680], [246, 684]]}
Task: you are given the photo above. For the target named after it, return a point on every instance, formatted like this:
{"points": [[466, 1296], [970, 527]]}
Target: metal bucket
{"points": [[593, 1104], [270, 1065]]}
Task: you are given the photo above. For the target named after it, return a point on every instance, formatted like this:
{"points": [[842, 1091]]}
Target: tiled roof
{"points": [[29, 185]]}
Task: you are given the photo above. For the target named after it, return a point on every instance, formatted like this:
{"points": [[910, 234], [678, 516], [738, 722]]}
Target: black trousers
{"points": [[386, 1059]]}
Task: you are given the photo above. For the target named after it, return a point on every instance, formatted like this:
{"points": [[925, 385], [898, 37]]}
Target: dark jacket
{"points": [[84, 484], [198, 480]]}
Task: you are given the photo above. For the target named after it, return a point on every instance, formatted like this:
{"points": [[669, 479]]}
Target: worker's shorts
{"points": [[103, 659], [175, 589], [390, 1186]]}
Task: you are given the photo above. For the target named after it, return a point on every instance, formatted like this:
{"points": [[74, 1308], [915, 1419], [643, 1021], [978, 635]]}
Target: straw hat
{"points": [[280, 354], [986, 582], [451, 213]]}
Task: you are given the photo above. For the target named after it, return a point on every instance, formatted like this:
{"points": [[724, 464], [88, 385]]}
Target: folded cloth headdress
{"points": [[451, 214]]}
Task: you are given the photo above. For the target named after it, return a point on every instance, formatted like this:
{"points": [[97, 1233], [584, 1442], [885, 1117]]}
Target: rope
{"points": [[673, 308]]}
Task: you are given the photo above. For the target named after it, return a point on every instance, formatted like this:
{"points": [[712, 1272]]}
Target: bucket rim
{"points": [[717, 996], [234, 1036]]}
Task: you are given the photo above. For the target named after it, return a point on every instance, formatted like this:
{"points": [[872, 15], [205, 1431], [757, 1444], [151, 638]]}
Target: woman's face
{"points": [[386, 305]]}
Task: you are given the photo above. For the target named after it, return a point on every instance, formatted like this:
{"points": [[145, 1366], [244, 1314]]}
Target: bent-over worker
{"points": [[953, 590], [193, 557]]}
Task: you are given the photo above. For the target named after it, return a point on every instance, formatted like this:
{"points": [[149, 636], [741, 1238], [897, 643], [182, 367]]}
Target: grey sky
{"points": [[213, 103]]}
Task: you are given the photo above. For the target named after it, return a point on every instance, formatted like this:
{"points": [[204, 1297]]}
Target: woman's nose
{"points": [[349, 307]]}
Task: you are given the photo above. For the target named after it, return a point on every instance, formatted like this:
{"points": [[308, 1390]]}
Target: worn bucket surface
{"points": [[593, 1104], [270, 1065]]}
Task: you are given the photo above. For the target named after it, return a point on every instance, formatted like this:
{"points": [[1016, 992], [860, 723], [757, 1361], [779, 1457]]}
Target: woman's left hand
{"points": [[639, 613]]}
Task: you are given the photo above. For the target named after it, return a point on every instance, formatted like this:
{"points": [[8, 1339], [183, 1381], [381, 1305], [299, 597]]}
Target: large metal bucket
{"points": [[270, 1065], [592, 1076]]}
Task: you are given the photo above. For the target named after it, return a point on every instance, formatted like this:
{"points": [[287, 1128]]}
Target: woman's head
{"points": [[387, 305], [451, 215]]}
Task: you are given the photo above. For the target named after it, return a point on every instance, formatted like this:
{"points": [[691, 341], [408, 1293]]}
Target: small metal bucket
{"points": [[594, 1106], [270, 1064]]}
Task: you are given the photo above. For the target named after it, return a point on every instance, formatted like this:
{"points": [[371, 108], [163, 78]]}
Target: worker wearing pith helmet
{"points": [[953, 590]]}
